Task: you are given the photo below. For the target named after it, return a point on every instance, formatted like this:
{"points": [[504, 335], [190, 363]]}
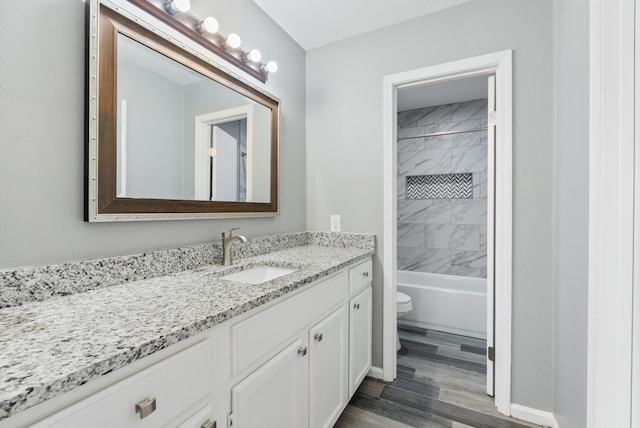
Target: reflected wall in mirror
{"points": [[175, 136]]}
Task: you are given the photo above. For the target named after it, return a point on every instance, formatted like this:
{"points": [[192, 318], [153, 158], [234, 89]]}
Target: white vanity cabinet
{"points": [[305, 384], [303, 381], [291, 363], [308, 375]]}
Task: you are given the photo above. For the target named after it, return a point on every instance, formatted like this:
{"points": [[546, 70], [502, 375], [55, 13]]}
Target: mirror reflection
{"points": [[184, 136]]}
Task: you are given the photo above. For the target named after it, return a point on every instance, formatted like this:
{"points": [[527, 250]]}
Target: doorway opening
{"points": [[445, 175], [224, 155]]}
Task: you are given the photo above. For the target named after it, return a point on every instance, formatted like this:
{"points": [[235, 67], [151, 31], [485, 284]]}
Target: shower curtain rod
{"points": [[436, 134]]}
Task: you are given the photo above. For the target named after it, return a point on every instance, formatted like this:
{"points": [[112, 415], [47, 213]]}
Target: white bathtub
{"points": [[454, 304]]}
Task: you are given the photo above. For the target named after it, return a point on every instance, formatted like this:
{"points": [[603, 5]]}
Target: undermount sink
{"points": [[258, 275]]}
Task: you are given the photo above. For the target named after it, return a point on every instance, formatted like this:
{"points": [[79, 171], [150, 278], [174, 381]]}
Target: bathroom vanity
{"points": [[193, 349]]}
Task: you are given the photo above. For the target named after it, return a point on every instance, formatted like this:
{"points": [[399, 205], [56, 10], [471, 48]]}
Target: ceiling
{"points": [[313, 24], [316, 23], [437, 94]]}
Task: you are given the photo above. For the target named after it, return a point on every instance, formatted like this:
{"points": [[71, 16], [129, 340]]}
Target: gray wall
{"points": [[572, 206], [344, 151], [154, 134], [42, 143]]}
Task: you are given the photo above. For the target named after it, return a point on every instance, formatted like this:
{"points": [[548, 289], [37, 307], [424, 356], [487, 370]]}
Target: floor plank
{"points": [[355, 417], [446, 410], [412, 348], [400, 412], [441, 383]]}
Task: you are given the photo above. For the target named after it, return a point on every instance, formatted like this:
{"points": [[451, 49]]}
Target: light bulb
{"points": [[270, 67], [175, 6], [209, 25], [253, 55], [232, 41]]}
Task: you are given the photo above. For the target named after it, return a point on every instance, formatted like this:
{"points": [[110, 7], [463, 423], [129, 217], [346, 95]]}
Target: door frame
{"points": [[202, 139], [612, 378], [500, 64]]}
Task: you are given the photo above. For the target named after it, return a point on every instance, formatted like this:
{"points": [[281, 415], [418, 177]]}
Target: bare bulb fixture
{"points": [[178, 6], [232, 41], [270, 67], [247, 60], [209, 25], [253, 55]]}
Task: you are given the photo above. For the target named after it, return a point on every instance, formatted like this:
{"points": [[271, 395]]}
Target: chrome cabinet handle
{"points": [[302, 351], [356, 306], [318, 337], [365, 274], [208, 424], [145, 407]]}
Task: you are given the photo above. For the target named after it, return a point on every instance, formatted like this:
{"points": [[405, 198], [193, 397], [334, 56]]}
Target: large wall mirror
{"points": [[172, 136]]}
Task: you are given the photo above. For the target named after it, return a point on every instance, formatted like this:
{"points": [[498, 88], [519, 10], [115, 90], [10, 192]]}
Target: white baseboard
{"points": [[535, 416], [375, 372]]}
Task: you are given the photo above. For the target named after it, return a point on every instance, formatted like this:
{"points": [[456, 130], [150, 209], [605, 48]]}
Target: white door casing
{"points": [[491, 184], [499, 64], [635, 364], [202, 140], [612, 53], [121, 190]]}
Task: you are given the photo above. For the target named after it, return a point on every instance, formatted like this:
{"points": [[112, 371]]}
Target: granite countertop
{"points": [[54, 345]]}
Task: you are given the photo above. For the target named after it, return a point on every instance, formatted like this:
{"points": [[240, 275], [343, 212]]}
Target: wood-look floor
{"points": [[441, 383]]}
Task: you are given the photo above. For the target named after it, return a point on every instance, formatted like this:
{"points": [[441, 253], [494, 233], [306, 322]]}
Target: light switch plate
{"points": [[335, 223]]}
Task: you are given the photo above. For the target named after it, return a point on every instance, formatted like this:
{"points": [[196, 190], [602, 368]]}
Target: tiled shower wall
{"points": [[447, 236]]}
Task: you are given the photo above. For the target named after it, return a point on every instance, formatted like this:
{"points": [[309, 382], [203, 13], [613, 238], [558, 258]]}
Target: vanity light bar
{"points": [[175, 13]]}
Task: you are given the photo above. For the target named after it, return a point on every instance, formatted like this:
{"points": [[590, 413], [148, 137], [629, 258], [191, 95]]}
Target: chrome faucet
{"points": [[227, 240]]}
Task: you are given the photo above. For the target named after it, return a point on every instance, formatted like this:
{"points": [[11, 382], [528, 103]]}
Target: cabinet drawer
{"points": [[255, 337], [201, 418], [359, 276], [177, 384]]}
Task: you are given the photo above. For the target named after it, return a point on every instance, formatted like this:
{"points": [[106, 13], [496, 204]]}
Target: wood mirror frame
{"points": [[102, 202]]}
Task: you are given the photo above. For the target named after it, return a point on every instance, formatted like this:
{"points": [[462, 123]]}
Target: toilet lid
{"points": [[402, 298]]}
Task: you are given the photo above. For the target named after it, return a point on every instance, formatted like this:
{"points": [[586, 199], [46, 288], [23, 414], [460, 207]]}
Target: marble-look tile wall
{"points": [[447, 236]]}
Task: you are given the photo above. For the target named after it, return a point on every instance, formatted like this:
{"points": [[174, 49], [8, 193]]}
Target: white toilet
{"points": [[403, 307]]}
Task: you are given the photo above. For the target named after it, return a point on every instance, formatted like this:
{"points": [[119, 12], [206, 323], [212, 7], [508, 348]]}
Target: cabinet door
{"points": [[359, 338], [328, 342], [276, 394]]}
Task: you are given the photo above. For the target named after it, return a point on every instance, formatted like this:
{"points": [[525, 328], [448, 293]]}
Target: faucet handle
{"points": [[229, 233]]}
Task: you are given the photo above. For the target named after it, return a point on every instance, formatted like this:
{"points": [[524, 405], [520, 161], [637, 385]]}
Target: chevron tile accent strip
{"points": [[440, 186]]}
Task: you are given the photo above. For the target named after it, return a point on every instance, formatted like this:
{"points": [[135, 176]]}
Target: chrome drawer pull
{"points": [[208, 424], [302, 351], [318, 337], [145, 407], [356, 306], [365, 274]]}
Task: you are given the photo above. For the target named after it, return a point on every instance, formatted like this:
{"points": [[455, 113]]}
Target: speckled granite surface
{"points": [[50, 346], [18, 286]]}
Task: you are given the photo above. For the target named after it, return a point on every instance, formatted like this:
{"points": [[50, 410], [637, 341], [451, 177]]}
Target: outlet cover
{"points": [[335, 223]]}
